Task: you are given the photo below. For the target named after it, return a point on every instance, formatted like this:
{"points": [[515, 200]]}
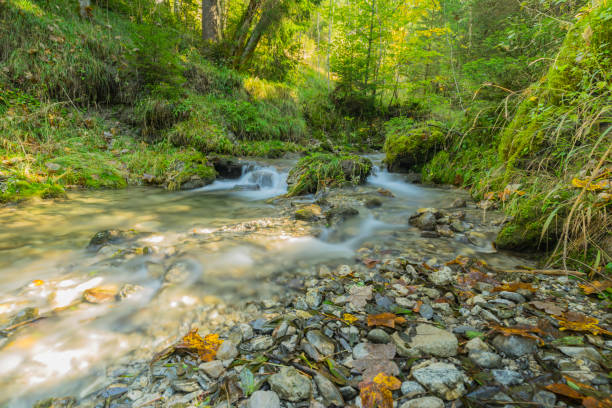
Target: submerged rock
{"points": [[264, 399]]}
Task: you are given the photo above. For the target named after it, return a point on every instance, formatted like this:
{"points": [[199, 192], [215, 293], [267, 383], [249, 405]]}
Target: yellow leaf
{"points": [[377, 393], [206, 348], [349, 318], [579, 322]]}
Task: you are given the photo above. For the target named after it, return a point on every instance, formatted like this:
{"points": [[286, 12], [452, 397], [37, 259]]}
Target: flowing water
{"points": [[185, 254]]}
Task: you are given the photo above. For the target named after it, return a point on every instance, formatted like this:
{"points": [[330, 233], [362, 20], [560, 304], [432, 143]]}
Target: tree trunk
{"points": [[270, 14], [329, 36], [211, 21], [84, 8], [367, 70], [243, 28]]}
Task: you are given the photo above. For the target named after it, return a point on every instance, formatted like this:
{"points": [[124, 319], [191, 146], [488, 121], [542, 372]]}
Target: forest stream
{"points": [[186, 259]]}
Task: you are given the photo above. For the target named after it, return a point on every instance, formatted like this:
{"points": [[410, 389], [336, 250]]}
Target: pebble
{"points": [[261, 343], [290, 385], [411, 389], [507, 377], [442, 379], [213, 368], [485, 359], [437, 342], [545, 398], [426, 311], [331, 395], [424, 402], [514, 346], [378, 336], [321, 342], [227, 351], [513, 296], [264, 399], [441, 277]]}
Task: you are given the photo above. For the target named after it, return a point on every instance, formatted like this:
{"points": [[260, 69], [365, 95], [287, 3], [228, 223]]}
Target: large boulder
{"points": [[321, 170]]}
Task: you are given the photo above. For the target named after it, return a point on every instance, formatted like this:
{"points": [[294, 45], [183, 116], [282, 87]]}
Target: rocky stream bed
{"points": [[384, 308]]}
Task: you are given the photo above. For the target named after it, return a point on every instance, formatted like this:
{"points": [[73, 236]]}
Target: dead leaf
{"points": [[596, 286], [385, 319], [379, 359], [593, 186], [417, 307], [370, 263], [514, 286], [576, 321], [523, 331], [548, 307], [206, 348], [100, 295], [349, 318], [377, 393], [564, 389], [359, 296]]}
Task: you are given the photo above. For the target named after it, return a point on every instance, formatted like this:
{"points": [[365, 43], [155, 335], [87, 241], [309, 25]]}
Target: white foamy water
{"points": [[256, 183]]}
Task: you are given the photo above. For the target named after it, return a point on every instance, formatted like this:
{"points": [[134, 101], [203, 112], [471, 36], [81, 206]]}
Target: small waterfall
{"points": [[256, 182], [393, 182]]}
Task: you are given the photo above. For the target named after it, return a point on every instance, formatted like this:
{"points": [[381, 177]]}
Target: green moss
{"points": [[189, 170], [89, 169], [408, 146], [575, 88], [321, 170], [16, 189], [267, 148]]}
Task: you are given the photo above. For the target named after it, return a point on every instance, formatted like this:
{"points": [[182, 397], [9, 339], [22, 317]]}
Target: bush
{"points": [[321, 170]]}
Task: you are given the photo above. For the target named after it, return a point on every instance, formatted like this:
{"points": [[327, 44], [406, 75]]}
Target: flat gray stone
{"points": [[331, 395], [227, 351], [507, 377], [442, 379], [264, 399], [437, 342], [514, 346], [290, 385], [213, 368], [412, 389], [424, 402], [485, 359]]}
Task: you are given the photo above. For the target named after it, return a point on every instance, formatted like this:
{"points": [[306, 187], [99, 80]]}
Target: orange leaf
{"points": [[579, 322], [206, 348], [417, 307], [526, 331], [377, 393], [564, 389], [37, 282], [514, 286], [596, 286], [370, 263], [385, 319]]}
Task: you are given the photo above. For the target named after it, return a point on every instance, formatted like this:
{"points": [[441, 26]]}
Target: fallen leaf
{"points": [[379, 359], [359, 296], [563, 389], [385, 319], [579, 322], [377, 393], [206, 348], [548, 307], [370, 263], [595, 286], [37, 282], [523, 331], [417, 307], [100, 295], [514, 286], [349, 318]]}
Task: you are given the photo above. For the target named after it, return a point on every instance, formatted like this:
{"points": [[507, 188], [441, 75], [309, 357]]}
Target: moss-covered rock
{"points": [[408, 145], [525, 231], [321, 170], [189, 170]]}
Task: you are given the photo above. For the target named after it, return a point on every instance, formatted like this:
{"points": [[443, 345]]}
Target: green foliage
{"points": [[409, 145], [321, 170]]}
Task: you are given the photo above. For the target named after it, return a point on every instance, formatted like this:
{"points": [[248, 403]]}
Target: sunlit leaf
{"points": [[385, 319], [377, 393], [206, 348], [349, 318], [514, 286], [595, 286], [523, 331], [579, 322]]}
